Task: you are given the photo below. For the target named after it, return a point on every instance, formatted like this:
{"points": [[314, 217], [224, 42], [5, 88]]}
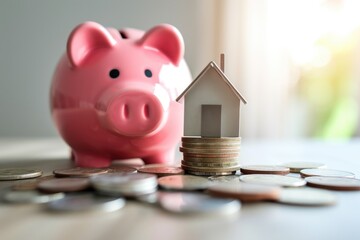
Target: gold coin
{"points": [[18, 173], [121, 169], [211, 159], [245, 191], [210, 165], [210, 155], [162, 170], [225, 173], [210, 140]]}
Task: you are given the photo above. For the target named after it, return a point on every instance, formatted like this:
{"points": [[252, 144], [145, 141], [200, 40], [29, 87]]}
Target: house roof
{"points": [[221, 75]]}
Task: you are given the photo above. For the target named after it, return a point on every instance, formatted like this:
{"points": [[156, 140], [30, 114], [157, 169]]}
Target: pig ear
{"points": [[86, 38], [166, 39]]}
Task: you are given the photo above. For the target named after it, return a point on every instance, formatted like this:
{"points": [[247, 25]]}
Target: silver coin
{"points": [[197, 203], [222, 179], [121, 169], [264, 169], [126, 193], [125, 179], [152, 198], [273, 179], [306, 196], [30, 197], [296, 167], [183, 182], [125, 184], [189, 139], [135, 163], [85, 202], [18, 173], [334, 183], [326, 173], [218, 145]]}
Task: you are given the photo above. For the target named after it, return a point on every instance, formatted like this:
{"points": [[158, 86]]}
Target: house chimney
{"points": [[222, 62]]}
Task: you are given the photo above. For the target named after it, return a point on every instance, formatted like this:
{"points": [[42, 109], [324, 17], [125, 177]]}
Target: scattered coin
{"points": [[30, 184], [183, 182], [152, 198], [129, 185], [223, 179], [264, 169], [134, 162], [161, 171], [306, 197], [79, 172], [64, 185], [325, 173], [245, 191], [187, 203], [334, 183], [210, 140], [30, 197], [121, 169], [296, 167], [18, 173], [279, 180], [83, 202]]}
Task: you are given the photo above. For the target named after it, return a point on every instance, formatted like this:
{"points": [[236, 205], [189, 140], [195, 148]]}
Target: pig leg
{"points": [[91, 160], [163, 157]]}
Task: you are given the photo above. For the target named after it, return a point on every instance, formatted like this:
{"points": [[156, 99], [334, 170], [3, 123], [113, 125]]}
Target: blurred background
{"points": [[296, 62]]}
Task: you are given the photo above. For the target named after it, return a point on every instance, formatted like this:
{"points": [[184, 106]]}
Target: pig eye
{"points": [[114, 73], [148, 73]]}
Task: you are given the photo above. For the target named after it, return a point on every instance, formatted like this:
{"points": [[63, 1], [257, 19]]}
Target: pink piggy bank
{"points": [[113, 94]]}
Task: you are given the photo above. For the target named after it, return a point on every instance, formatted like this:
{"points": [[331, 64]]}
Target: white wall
{"points": [[33, 35]]}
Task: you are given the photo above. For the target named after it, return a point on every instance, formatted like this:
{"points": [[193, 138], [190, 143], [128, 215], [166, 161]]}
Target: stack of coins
{"points": [[210, 156]]}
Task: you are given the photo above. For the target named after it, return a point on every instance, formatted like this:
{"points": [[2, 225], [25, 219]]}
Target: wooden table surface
{"points": [[263, 220]]}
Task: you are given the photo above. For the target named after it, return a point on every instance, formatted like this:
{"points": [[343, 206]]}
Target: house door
{"points": [[211, 120]]}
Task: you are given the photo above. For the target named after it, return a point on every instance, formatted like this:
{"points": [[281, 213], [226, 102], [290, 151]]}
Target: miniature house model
{"points": [[212, 105]]}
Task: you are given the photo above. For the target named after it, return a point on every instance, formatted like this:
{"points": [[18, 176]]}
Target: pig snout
{"points": [[135, 113]]}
